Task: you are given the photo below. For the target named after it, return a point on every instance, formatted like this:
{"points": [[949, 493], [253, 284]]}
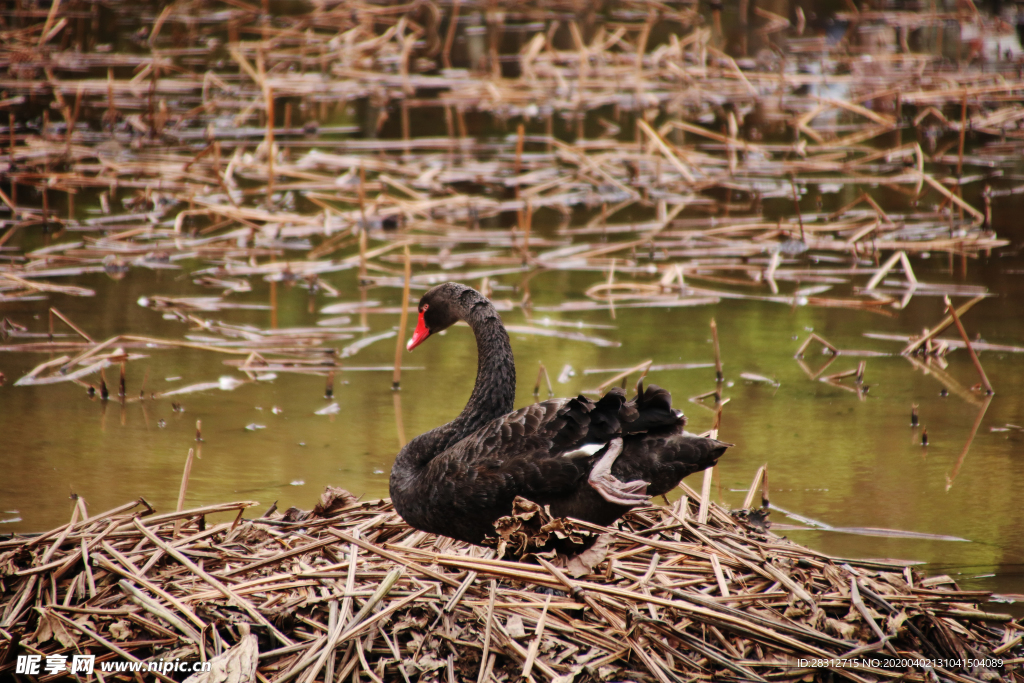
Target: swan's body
{"points": [[588, 460]]}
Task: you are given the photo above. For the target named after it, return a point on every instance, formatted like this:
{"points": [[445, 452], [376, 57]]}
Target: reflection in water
{"points": [[399, 427], [951, 477]]}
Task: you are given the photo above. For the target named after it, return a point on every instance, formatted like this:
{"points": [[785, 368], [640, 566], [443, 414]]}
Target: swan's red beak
{"points": [[421, 333]]}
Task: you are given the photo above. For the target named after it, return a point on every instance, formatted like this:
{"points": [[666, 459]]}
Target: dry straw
{"points": [[351, 590]]}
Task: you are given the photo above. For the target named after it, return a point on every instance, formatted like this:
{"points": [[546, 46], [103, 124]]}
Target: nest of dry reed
{"points": [[685, 592]]}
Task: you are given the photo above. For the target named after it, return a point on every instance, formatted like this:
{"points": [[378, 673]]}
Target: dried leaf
{"points": [[843, 629], [121, 630], [584, 563], [515, 627], [236, 665], [894, 623], [531, 529], [428, 663], [333, 500], [50, 627]]}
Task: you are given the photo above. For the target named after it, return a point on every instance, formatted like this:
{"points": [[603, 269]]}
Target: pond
{"points": [[847, 472]]}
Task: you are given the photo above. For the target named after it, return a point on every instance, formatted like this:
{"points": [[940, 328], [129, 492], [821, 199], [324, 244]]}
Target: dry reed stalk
{"points": [[917, 343], [705, 496], [970, 349], [497, 591], [184, 488], [821, 340], [396, 377], [719, 377], [760, 476], [642, 368]]}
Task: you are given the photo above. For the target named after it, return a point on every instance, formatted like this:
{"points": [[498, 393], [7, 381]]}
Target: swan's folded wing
{"points": [[517, 454]]}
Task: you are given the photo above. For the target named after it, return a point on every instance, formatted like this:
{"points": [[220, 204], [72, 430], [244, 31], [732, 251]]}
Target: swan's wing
{"points": [[544, 451]]}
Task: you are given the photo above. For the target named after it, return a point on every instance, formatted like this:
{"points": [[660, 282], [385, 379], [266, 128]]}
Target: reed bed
{"points": [[349, 590]]}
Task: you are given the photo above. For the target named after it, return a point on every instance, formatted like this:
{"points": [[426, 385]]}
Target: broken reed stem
{"points": [[719, 377], [183, 489], [76, 328], [970, 349], [642, 367], [484, 663], [269, 95], [887, 266], [913, 346], [815, 337], [796, 207], [963, 133], [705, 495], [396, 377], [518, 164], [531, 653], [527, 228], [759, 476]]}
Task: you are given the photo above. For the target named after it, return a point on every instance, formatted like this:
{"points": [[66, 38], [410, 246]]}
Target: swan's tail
{"points": [[662, 460]]}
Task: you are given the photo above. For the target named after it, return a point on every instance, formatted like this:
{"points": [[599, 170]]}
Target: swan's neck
{"points": [[495, 390], [493, 395]]}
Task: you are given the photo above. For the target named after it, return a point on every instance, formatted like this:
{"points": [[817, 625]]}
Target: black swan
{"points": [[589, 460]]}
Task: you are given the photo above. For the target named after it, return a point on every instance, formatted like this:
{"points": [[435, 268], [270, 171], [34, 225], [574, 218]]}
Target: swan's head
{"points": [[440, 308]]}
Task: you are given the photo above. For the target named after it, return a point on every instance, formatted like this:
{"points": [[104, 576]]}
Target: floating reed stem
{"points": [[821, 340], [916, 344], [66, 321]]}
